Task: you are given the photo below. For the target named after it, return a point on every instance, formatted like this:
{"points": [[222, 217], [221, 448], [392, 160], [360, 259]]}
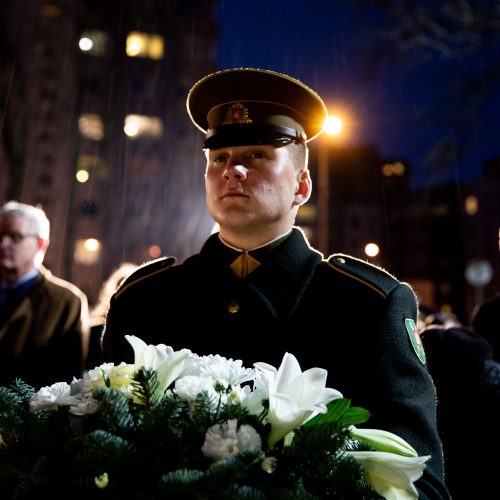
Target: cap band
{"points": [[248, 134]]}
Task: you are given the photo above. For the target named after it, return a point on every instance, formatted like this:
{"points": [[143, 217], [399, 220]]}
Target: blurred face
{"points": [[254, 189], [19, 247]]}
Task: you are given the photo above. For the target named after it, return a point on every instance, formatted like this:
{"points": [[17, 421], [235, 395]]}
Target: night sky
{"points": [[411, 108]]}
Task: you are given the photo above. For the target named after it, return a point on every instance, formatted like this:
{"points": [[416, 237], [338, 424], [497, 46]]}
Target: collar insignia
{"points": [[244, 265]]}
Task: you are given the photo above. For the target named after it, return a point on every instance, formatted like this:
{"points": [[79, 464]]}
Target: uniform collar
{"points": [[265, 247], [281, 279]]}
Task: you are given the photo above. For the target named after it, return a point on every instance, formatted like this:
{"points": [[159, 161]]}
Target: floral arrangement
{"points": [[177, 425]]}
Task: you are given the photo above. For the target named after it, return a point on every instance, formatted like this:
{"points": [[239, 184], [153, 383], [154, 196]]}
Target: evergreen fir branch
{"points": [[130, 440], [202, 413], [145, 385], [114, 409]]}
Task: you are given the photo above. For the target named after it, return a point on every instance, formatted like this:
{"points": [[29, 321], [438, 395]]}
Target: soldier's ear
{"points": [[304, 187]]}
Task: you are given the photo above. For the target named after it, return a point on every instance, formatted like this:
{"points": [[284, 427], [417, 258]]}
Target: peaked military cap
{"points": [[247, 106]]}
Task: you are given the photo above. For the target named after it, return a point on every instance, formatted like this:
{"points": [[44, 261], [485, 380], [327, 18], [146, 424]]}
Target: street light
{"points": [[333, 126]]}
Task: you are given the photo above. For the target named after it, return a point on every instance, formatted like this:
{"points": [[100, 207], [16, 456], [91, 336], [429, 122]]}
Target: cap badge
{"points": [[415, 339], [237, 113]]}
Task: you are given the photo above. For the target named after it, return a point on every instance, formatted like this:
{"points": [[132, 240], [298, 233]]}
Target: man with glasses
{"points": [[43, 319]]}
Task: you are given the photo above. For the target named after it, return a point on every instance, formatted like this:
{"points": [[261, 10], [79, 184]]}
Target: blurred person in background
{"points": [[100, 309], [485, 319], [44, 323], [467, 382]]}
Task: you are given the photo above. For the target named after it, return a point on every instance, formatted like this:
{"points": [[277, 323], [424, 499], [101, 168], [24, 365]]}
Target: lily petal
{"points": [[383, 441], [391, 475], [294, 396]]}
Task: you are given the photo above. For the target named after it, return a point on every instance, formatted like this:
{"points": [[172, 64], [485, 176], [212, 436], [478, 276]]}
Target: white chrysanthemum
{"points": [[226, 371], [85, 407], [248, 438], [190, 386], [51, 397], [225, 440], [96, 373]]}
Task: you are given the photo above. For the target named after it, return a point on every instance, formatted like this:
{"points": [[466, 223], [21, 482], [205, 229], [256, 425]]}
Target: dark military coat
{"points": [[343, 315]]}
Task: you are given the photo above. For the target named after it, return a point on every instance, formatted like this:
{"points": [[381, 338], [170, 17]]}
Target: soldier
{"points": [[257, 289]]}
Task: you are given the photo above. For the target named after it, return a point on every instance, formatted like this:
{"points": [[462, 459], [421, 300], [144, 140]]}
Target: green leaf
{"points": [[340, 411]]}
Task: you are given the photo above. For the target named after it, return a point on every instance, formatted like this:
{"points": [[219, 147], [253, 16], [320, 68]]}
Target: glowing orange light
{"points": [[154, 251]]}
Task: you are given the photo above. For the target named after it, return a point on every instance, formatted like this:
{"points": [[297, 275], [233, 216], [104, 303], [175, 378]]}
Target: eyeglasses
{"points": [[15, 237]]}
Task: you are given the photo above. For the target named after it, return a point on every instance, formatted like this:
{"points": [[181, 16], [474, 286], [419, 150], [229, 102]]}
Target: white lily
{"points": [[294, 396], [169, 364], [383, 441], [391, 475]]}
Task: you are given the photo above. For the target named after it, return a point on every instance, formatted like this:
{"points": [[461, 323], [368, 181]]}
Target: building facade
{"points": [[95, 128]]}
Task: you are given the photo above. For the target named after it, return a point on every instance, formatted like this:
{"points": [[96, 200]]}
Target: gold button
{"points": [[340, 260], [233, 307]]}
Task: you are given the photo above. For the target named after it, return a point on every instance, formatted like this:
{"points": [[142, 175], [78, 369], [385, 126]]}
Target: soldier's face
{"points": [[251, 187]]}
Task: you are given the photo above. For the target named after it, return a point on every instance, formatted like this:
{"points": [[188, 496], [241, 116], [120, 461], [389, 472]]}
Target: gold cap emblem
{"points": [[236, 113]]}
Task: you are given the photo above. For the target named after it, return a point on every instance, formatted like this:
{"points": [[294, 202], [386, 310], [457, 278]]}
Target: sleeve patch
{"points": [[415, 339]]}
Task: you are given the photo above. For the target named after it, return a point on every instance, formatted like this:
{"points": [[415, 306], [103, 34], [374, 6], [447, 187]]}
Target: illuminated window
{"points": [[471, 205], [95, 43], [90, 167], [144, 45], [91, 127], [397, 169], [87, 251], [137, 126], [50, 10], [82, 176]]}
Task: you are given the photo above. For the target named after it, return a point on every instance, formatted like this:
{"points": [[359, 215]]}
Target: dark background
{"points": [[418, 78]]}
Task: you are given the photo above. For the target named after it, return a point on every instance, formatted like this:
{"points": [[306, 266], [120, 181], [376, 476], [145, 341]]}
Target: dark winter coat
{"points": [[45, 339]]}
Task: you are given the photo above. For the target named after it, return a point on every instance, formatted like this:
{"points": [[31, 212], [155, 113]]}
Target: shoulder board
{"points": [[372, 276], [144, 271]]}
